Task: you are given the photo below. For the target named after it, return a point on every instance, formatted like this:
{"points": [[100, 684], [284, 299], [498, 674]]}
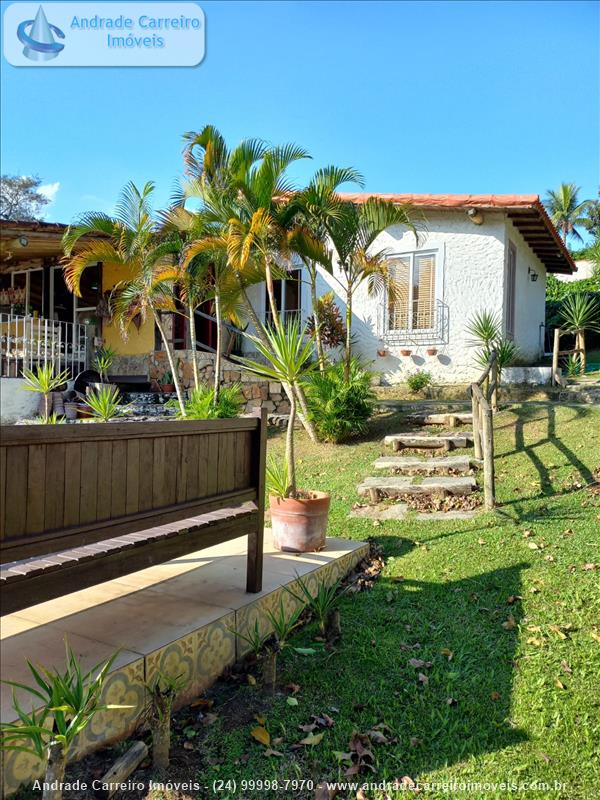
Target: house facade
{"points": [[473, 253]]}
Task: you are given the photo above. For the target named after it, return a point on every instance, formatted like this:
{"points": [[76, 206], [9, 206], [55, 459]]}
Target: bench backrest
{"points": [[64, 486]]}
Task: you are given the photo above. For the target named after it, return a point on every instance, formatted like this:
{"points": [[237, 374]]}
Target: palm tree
{"points": [[578, 313], [131, 240], [353, 232], [247, 194], [319, 206], [566, 211]]}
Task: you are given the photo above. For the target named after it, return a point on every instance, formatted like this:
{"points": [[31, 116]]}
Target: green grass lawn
{"points": [[505, 607]]}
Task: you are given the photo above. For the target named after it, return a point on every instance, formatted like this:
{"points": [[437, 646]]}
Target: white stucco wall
{"points": [[15, 402], [530, 298], [469, 279], [585, 269]]}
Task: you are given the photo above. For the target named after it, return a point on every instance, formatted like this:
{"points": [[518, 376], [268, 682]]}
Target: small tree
{"points": [[21, 198], [162, 690], [288, 356], [44, 382], [580, 313], [68, 701]]}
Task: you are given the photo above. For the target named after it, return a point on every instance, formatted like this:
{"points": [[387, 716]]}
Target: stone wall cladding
{"points": [[257, 392]]}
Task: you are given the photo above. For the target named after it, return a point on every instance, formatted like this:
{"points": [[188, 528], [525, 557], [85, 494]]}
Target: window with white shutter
{"points": [[412, 292]]}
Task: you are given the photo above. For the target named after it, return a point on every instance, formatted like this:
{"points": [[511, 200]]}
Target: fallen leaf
{"points": [[277, 741], [495, 696], [513, 598], [251, 680], [341, 756], [451, 701], [415, 741], [291, 701], [560, 684], [202, 702], [510, 623], [308, 728], [596, 636], [188, 746], [417, 663], [535, 641], [209, 719], [260, 719], [588, 567], [294, 688], [261, 735], [533, 546], [423, 679], [448, 653], [557, 630], [527, 534], [269, 753], [566, 668], [313, 739], [480, 541]]}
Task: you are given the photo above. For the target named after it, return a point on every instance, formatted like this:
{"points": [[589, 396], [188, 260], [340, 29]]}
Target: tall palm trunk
{"points": [[218, 353], [271, 294], [171, 361], [316, 321], [304, 417], [289, 446], [192, 314], [348, 355], [580, 345]]}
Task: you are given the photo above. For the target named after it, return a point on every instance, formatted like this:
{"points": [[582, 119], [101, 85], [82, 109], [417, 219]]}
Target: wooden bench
{"points": [[83, 504]]}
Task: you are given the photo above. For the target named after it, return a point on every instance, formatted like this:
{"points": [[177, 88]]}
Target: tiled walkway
{"points": [[177, 617]]}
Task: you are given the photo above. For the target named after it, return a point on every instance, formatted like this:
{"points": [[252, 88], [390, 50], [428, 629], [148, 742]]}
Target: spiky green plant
{"points": [[288, 358], [321, 604], [484, 328], [566, 211], [278, 479], [43, 380], [66, 704], [202, 404], [580, 313], [162, 692], [103, 361], [283, 624], [105, 403]]}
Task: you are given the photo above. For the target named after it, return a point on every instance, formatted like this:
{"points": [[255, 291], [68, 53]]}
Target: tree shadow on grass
{"points": [[468, 630]]}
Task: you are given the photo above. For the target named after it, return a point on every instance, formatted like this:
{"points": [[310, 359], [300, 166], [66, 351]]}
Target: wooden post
{"points": [[121, 770], [555, 349], [255, 539], [476, 426], [494, 397], [489, 490]]}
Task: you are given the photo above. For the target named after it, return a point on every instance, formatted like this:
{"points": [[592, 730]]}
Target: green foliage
{"points": [[162, 690], [321, 605], [331, 324], [253, 637], [103, 360], [167, 378], [580, 312], [44, 380], [105, 403], [287, 356], [566, 211], [278, 478], [284, 624], [573, 365], [557, 290], [419, 380], [202, 405], [67, 702], [20, 198], [485, 328], [340, 407], [51, 419]]}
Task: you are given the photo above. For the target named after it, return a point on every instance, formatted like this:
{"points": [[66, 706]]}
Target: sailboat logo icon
{"points": [[38, 37]]}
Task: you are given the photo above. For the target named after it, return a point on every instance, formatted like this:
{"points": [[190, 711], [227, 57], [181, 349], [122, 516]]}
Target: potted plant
{"points": [[44, 381], [432, 351], [103, 361], [166, 383], [405, 353], [298, 516]]}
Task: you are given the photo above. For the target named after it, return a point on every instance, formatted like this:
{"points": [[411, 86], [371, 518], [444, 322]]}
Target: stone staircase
{"points": [[433, 474]]}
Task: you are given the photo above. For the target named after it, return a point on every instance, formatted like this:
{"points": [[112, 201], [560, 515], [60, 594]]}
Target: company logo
{"points": [[37, 36]]}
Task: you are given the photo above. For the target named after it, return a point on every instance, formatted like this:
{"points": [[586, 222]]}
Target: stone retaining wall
{"points": [[257, 392]]}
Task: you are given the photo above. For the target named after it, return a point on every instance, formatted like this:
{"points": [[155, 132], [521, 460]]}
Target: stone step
{"points": [[424, 441], [411, 465], [394, 487], [451, 419]]}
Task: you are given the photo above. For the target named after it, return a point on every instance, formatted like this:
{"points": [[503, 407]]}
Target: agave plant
{"points": [[103, 361], [162, 692], [485, 330], [580, 313], [105, 403], [67, 702], [44, 382], [203, 404]]}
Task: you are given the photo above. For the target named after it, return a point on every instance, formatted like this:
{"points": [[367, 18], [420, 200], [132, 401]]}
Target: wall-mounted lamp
{"points": [[532, 274], [23, 241], [475, 216]]}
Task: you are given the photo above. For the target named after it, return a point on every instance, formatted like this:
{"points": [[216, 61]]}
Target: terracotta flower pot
{"points": [[167, 388], [382, 353], [299, 525], [432, 351], [405, 353]]}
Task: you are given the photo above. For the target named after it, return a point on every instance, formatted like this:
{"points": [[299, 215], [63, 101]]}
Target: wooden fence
{"points": [[484, 402], [73, 485]]}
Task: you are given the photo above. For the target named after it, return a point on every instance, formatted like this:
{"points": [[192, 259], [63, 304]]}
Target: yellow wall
{"points": [[138, 341]]}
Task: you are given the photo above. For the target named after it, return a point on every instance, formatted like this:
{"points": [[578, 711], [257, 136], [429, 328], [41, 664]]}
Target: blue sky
{"points": [[446, 97]]}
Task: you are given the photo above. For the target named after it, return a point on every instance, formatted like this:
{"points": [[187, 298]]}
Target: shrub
{"points": [[201, 403], [105, 403], [419, 380], [340, 408], [331, 324]]}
